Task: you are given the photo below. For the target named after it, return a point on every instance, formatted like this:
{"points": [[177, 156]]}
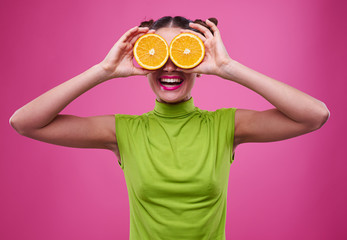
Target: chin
{"points": [[172, 99]]}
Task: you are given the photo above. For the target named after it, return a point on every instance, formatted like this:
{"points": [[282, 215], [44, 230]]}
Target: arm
{"points": [[40, 118], [295, 112]]}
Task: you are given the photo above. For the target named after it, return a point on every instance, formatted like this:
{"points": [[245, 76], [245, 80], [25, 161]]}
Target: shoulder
{"points": [[222, 118], [126, 123], [133, 117], [223, 113]]}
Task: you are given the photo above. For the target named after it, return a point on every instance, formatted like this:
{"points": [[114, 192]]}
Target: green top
{"points": [[176, 161]]}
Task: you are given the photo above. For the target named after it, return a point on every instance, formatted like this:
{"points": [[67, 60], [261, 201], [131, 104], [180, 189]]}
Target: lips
{"points": [[170, 83]]}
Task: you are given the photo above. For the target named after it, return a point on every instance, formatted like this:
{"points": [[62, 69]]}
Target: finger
{"points": [[141, 71], [141, 32], [129, 33], [184, 70], [202, 29], [133, 32], [191, 70], [143, 29], [134, 39], [213, 27], [151, 31], [196, 33]]}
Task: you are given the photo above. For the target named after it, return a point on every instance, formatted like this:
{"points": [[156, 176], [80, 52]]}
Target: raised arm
{"points": [[295, 112], [40, 118]]}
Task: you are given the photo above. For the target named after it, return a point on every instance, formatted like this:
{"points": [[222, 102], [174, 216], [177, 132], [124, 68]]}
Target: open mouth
{"points": [[170, 82]]}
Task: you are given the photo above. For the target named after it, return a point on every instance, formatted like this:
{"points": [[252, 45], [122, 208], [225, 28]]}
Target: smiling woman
{"points": [[176, 158]]}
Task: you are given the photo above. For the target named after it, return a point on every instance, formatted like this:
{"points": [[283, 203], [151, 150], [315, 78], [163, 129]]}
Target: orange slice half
{"points": [[187, 50], [151, 51]]}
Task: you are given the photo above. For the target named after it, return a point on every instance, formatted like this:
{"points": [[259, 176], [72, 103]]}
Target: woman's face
{"points": [[181, 83]]}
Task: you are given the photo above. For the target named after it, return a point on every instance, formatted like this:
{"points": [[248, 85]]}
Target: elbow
{"points": [[324, 115], [17, 124], [320, 118], [14, 123]]}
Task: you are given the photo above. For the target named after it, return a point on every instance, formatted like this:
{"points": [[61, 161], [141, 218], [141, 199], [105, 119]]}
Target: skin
{"points": [[294, 113]]}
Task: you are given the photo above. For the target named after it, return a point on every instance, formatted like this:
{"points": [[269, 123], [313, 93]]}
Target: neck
{"points": [[174, 109]]}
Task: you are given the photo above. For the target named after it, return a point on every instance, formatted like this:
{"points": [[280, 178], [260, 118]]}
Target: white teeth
{"points": [[171, 80]]}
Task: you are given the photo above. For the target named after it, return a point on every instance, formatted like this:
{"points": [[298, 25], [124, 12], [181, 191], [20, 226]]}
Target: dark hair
{"points": [[177, 21]]}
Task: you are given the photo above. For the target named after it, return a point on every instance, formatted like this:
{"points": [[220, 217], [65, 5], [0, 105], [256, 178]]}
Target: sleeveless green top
{"points": [[176, 161]]}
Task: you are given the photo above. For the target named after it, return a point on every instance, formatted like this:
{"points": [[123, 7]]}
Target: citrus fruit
{"points": [[151, 51], [187, 50]]}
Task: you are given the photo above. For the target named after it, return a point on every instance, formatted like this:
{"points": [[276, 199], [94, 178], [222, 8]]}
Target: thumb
{"points": [[141, 71], [191, 70]]}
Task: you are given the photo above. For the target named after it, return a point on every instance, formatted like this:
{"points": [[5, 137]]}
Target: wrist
{"points": [[103, 72], [227, 69]]}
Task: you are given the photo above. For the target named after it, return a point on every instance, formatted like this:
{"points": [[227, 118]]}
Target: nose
{"points": [[169, 66]]}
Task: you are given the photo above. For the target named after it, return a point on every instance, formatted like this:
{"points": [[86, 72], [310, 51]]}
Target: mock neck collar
{"points": [[174, 110]]}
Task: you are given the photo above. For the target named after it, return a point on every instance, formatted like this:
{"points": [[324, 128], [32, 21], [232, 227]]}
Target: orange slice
{"points": [[187, 50], [151, 51]]}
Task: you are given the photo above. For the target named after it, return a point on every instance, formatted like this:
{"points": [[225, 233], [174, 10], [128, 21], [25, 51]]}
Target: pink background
{"points": [[295, 189]]}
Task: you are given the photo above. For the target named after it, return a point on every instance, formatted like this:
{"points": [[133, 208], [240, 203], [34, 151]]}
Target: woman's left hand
{"points": [[216, 56]]}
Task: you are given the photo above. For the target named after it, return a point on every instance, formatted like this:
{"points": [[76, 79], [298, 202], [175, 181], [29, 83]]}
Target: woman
{"points": [[176, 158]]}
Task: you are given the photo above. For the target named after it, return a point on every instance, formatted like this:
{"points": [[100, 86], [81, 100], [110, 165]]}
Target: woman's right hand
{"points": [[119, 60]]}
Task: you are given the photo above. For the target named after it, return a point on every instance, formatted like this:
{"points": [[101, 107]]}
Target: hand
{"points": [[119, 60], [216, 56]]}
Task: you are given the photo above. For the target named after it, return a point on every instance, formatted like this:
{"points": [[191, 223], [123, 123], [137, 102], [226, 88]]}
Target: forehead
{"points": [[168, 33]]}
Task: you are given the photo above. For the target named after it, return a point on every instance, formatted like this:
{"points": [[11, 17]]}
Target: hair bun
{"points": [[214, 20], [147, 23], [203, 23]]}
